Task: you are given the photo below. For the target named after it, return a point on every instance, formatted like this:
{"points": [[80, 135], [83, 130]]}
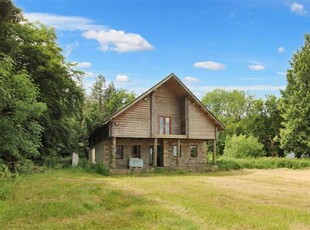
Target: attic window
{"points": [[164, 125]]}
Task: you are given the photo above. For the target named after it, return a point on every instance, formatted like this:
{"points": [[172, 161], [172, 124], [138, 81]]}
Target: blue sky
{"points": [[244, 45]]}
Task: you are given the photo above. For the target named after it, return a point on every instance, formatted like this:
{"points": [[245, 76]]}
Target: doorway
{"points": [[160, 155]]}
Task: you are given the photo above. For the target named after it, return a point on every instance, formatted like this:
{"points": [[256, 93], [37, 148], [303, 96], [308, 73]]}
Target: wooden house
{"points": [[167, 126]]}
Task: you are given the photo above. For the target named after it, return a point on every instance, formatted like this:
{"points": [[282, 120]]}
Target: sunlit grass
{"points": [[69, 199]]}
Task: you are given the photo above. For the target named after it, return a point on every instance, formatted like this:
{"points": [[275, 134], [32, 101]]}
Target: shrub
{"points": [[97, 168], [228, 163], [242, 146]]}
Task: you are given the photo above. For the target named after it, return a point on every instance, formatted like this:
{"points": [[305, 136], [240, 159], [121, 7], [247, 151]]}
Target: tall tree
{"points": [[34, 49], [19, 113], [104, 101], [264, 123], [295, 136]]}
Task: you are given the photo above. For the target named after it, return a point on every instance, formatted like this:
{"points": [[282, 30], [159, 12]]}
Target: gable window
{"points": [[175, 151], [164, 125], [193, 150], [119, 151], [136, 151]]}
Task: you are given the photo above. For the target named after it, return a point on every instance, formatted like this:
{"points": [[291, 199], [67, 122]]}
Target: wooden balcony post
{"points": [[113, 152], [155, 152], [214, 145], [214, 152]]}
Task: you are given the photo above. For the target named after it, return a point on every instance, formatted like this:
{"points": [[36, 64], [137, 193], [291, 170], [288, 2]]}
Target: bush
{"points": [[227, 163], [57, 161], [242, 146], [97, 168]]}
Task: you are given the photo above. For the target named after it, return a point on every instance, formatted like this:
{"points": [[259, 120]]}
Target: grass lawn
{"points": [[246, 199]]}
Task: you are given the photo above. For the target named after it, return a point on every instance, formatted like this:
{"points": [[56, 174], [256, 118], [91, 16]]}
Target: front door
{"points": [[160, 156]]}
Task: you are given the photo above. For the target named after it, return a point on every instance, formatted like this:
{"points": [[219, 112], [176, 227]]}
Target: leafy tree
{"points": [[231, 107], [19, 112], [264, 123], [242, 146], [295, 136], [104, 101], [34, 49]]}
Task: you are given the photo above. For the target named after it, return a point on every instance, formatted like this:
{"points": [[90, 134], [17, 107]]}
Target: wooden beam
{"points": [[113, 152], [214, 145], [155, 152]]}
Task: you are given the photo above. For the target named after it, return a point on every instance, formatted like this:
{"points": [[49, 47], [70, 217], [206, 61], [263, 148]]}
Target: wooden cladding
{"points": [[164, 113]]}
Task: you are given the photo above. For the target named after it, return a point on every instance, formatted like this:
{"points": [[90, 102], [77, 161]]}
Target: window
{"points": [[175, 151], [136, 151], [193, 150], [164, 125], [119, 152], [151, 155]]}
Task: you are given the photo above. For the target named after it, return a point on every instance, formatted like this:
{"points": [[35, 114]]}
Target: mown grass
{"points": [[226, 163], [72, 199]]}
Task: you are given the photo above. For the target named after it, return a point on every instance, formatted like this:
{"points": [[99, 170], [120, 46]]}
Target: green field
{"points": [[246, 199]]}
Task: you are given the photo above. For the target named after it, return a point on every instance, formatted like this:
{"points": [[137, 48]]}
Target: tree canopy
{"points": [[295, 135]]}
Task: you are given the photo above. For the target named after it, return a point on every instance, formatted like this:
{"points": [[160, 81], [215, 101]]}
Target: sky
{"points": [[228, 44]]}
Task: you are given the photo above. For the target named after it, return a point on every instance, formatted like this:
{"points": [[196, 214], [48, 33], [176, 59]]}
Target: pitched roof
{"points": [[162, 82]]}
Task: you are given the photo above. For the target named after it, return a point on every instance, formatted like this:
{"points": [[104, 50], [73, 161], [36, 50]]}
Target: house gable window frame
{"points": [[163, 129]]}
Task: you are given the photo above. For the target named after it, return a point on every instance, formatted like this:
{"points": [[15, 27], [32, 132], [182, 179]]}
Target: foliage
{"points": [[104, 101], [19, 112], [295, 136], [231, 108], [242, 146], [35, 54], [264, 123], [243, 114], [228, 163], [97, 168]]}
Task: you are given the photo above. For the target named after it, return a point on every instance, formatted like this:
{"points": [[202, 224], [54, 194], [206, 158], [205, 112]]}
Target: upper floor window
{"points": [[164, 125]]}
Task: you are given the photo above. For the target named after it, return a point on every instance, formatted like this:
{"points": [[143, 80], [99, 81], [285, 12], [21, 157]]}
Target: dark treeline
{"points": [[44, 111]]}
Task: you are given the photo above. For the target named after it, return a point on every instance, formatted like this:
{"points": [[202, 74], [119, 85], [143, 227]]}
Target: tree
{"points": [[295, 135], [264, 123], [231, 107], [242, 146], [19, 113], [104, 101], [34, 49]]}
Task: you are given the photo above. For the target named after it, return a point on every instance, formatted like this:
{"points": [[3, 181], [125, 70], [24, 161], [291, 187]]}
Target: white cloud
{"points": [[63, 22], [191, 79], [82, 64], [281, 73], [210, 65], [281, 50], [122, 78], [109, 39], [118, 40], [70, 48], [298, 8], [257, 67], [89, 74]]}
